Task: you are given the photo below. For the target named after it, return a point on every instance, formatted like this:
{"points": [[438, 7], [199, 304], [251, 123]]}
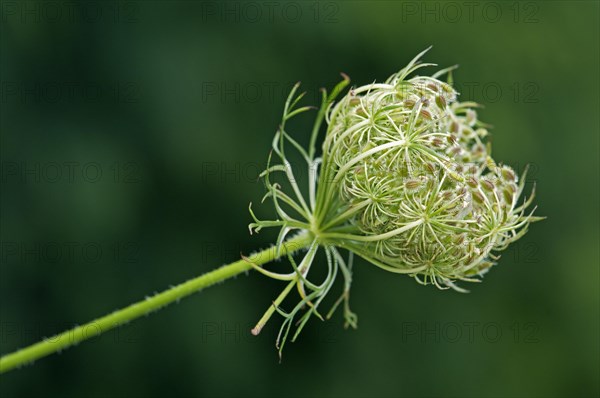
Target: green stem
{"points": [[98, 326]]}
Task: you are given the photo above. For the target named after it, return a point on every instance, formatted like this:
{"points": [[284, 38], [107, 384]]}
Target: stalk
{"points": [[98, 326]]}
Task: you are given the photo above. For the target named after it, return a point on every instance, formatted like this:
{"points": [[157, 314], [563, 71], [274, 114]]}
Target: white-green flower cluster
{"points": [[410, 162], [405, 180]]}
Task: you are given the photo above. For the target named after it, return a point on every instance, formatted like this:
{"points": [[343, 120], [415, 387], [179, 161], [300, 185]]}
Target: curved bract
{"points": [[405, 180]]}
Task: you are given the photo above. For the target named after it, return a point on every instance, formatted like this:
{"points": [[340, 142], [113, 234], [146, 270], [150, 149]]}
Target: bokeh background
{"points": [[132, 134]]}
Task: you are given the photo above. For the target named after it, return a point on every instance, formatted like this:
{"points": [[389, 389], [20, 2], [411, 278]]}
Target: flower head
{"points": [[406, 181], [430, 200]]}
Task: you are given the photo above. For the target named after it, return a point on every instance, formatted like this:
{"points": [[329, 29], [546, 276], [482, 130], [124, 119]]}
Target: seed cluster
{"points": [[405, 180], [410, 161]]}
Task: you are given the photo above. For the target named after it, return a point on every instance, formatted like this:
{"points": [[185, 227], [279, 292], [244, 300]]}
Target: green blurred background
{"points": [[132, 133]]}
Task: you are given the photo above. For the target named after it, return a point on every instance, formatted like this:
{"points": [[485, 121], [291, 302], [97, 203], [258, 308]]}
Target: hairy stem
{"points": [[98, 326]]}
